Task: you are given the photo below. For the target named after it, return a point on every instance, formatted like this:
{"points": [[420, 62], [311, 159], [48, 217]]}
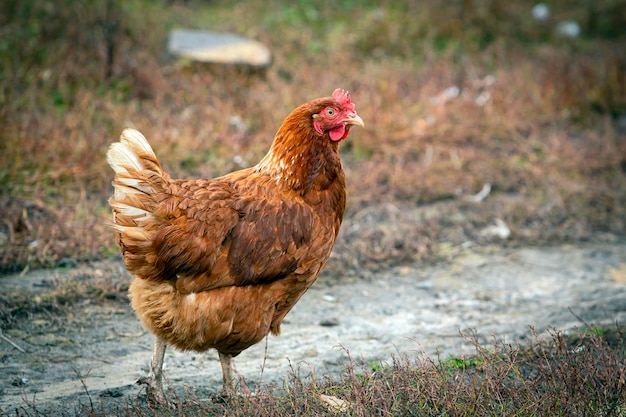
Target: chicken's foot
{"points": [[228, 382], [154, 380]]}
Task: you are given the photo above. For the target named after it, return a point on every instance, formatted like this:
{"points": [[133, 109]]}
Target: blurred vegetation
{"points": [[454, 95]]}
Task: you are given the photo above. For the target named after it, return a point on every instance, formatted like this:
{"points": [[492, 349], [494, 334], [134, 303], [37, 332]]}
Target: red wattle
{"points": [[338, 133]]}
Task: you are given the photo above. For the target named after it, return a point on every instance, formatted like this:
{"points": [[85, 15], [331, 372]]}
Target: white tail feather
{"points": [[133, 186], [130, 182], [136, 233], [135, 213], [121, 158], [127, 154], [135, 139]]}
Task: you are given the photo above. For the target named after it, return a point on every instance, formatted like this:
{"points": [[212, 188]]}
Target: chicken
{"points": [[218, 263]]}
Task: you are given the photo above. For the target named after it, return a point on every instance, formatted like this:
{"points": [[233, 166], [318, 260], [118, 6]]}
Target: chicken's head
{"points": [[337, 117]]}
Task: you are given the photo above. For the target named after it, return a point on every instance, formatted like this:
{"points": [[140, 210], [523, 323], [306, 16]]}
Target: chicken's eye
{"points": [[330, 112]]}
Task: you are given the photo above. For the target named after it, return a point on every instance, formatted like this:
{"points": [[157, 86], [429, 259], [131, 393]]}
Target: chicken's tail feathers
{"points": [[138, 179], [132, 153]]}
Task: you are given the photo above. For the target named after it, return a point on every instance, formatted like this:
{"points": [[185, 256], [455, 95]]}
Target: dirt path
{"points": [[101, 348]]}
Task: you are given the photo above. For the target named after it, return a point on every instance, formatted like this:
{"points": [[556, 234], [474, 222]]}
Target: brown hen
{"points": [[218, 263]]}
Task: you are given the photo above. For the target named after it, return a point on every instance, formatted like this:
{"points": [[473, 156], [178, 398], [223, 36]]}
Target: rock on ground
{"points": [[218, 48]]}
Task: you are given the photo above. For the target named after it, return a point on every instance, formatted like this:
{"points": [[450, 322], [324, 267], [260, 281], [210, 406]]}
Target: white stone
{"points": [[541, 12], [217, 47], [568, 28]]}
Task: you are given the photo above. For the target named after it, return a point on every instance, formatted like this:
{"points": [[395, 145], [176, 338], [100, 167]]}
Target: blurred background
{"points": [[487, 122]]}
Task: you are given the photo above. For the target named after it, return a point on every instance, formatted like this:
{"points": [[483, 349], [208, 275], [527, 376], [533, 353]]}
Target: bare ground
{"points": [[92, 350]]}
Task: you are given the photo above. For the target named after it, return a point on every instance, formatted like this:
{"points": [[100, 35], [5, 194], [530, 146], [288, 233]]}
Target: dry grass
{"points": [[536, 116], [578, 374]]}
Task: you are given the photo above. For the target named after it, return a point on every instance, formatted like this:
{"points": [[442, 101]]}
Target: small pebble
{"points": [[330, 322], [19, 382]]}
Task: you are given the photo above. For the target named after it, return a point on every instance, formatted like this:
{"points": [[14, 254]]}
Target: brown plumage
{"points": [[218, 263]]}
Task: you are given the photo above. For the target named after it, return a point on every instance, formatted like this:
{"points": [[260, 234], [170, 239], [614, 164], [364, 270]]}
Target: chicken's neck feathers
{"points": [[298, 156]]}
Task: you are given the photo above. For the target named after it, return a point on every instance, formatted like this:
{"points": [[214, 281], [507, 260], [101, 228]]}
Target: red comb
{"points": [[343, 97]]}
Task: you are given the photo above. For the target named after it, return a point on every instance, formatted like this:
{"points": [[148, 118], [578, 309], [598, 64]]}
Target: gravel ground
{"points": [[98, 350]]}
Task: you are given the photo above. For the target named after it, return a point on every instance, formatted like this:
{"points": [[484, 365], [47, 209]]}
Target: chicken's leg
{"points": [[228, 384], [154, 381]]}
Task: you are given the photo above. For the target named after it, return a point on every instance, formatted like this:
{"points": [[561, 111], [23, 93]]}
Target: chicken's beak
{"points": [[355, 119]]}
